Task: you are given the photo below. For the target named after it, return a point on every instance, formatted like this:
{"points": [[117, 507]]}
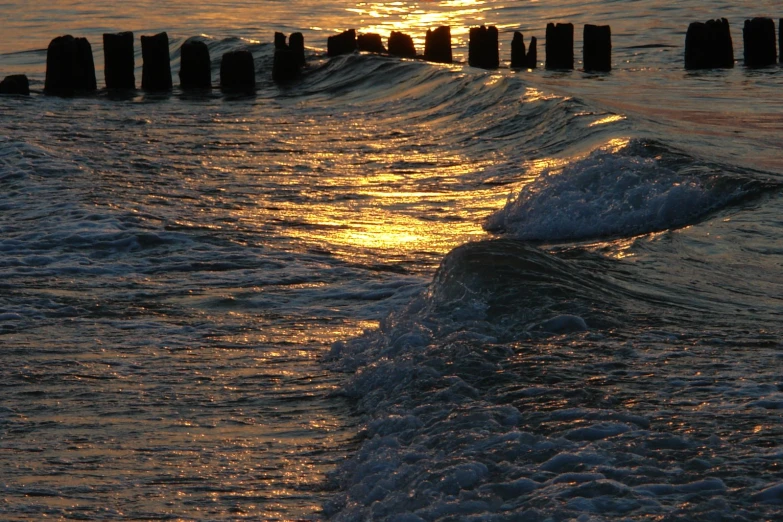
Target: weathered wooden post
{"points": [[70, 67], [370, 43], [118, 61], [437, 45], [15, 84], [759, 38], [280, 41], [343, 43], [195, 71], [238, 71], [520, 59], [559, 46], [289, 57], [401, 44], [518, 54], [708, 45], [296, 44], [156, 70], [597, 48], [483, 47], [532, 53]]}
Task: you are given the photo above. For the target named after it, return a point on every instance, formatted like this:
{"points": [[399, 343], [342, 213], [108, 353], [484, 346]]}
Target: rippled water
{"points": [[393, 290]]}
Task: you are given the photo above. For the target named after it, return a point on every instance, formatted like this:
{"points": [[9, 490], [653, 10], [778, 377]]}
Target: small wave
{"points": [[624, 193], [467, 418]]}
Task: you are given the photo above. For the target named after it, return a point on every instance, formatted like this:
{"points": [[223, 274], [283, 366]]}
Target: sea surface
{"points": [[393, 290]]}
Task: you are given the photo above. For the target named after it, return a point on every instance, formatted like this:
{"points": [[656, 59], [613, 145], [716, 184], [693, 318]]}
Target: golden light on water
{"points": [[392, 223], [608, 119], [414, 18]]}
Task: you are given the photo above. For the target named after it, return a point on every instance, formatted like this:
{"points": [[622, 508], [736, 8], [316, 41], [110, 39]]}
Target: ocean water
{"points": [[393, 290]]}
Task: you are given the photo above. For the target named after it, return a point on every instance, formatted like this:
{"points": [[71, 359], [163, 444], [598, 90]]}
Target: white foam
{"points": [[606, 194], [563, 324]]}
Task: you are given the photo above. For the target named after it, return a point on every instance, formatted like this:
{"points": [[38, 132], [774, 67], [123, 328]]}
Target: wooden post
{"points": [[296, 44], [15, 84], [156, 71], [195, 71], [400, 44], [437, 45], [118, 60], [708, 45], [70, 67], [559, 46], [343, 43], [483, 47], [597, 49], [370, 43], [759, 37], [238, 72]]}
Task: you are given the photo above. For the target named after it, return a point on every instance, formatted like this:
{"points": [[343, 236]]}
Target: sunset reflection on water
{"points": [[416, 17]]}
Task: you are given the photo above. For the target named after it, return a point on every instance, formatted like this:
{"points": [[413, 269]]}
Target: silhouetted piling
{"points": [[437, 45], [343, 43], [483, 47], [597, 49], [156, 71], [401, 44], [15, 84], [195, 70], [238, 72], [286, 66], [296, 44], [520, 59], [370, 43], [69, 66], [708, 45], [759, 38], [518, 54], [780, 36], [289, 57], [280, 41], [119, 62], [559, 46], [532, 53]]}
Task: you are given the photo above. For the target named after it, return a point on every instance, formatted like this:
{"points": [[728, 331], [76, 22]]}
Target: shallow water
{"points": [[296, 305]]}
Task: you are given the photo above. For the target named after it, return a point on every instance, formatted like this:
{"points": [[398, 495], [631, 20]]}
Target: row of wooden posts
{"points": [[70, 68]]}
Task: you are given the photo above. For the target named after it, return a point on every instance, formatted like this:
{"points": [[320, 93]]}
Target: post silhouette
{"points": [[759, 38], [280, 41], [289, 57], [400, 44], [70, 67], [483, 47], [559, 46], [597, 48], [238, 72], [519, 58], [437, 45], [119, 63], [343, 43], [156, 70], [195, 70], [370, 43], [296, 44], [708, 45], [15, 84]]}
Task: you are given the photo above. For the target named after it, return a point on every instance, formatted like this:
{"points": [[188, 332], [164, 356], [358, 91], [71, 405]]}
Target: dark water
{"points": [[393, 290]]}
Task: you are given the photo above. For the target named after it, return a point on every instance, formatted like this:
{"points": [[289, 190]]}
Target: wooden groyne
{"points": [[70, 69]]}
